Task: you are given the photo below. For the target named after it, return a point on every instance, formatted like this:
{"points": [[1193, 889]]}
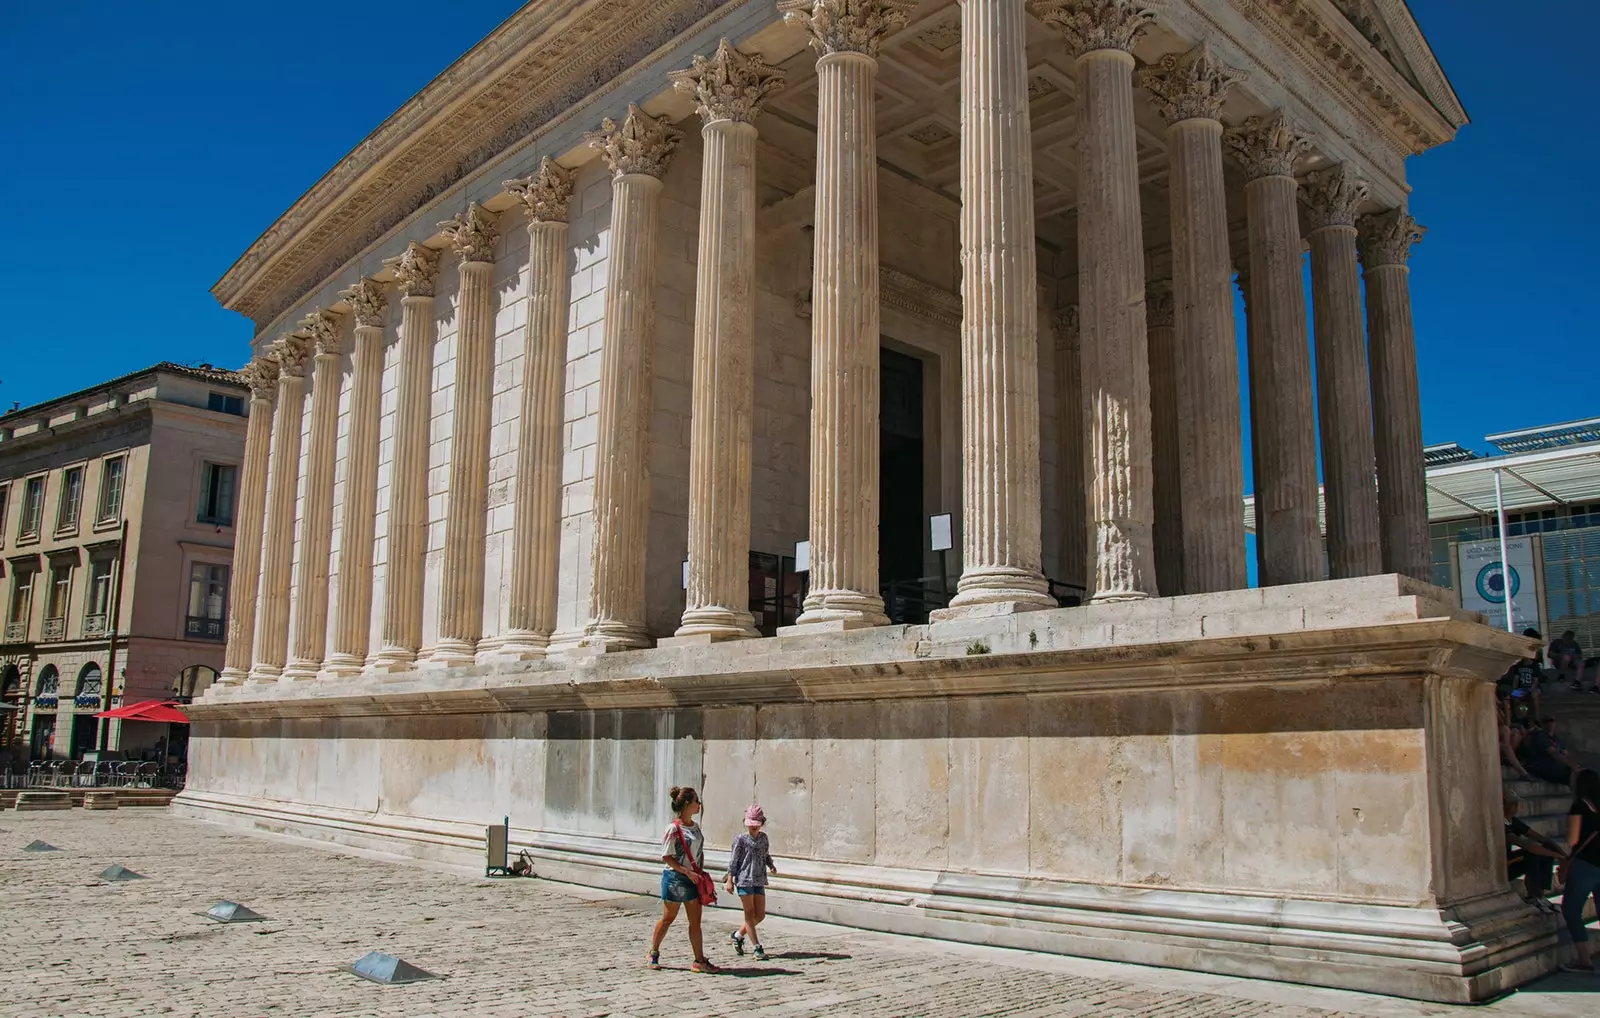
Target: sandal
{"points": [[655, 960], [704, 965]]}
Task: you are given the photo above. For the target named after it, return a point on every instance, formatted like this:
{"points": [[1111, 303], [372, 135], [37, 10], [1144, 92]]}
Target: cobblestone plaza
{"points": [[75, 945]]}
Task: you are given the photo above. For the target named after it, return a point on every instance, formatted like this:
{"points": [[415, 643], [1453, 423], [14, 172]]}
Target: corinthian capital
{"points": [[1160, 307], [261, 375], [415, 270], [1090, 25], [1333, 195], [321, 329], [847, 26], [1268, 146], [472, 233], [1066, 326], [546, 194], [1386, 237], [367, 302], [640, 144], [1189, 86], [728, 85], [291, 352]]}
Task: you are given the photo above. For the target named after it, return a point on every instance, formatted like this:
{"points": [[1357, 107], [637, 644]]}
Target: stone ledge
{"points": [[1159, 643], [1470, 952]]}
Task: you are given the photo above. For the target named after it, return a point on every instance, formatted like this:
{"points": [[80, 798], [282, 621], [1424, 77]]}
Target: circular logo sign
{"points": [[1491, 583]]}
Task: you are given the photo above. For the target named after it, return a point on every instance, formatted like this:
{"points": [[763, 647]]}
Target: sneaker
{"points": [[761, 953], [738, 943], [704, 965], [1572, 966], [655, 959]]}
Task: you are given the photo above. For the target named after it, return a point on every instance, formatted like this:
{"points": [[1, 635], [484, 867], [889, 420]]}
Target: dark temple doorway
{"points": [[900, 525]]}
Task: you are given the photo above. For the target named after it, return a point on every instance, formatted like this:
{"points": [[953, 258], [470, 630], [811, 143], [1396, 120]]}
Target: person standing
{"points": [[1582, 868], [683, 850], [748, 866]]}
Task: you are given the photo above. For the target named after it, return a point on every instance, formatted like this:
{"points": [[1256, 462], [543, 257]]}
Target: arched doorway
{"points": [[86, 699], [46, 691], [11, 713]]}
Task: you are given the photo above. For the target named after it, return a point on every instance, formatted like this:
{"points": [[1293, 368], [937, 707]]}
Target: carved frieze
{"points": [[847, 26], [1333, 195], [1189, 86], [1386, 237], [368, 301], [416, 270], [546, 194], [728, 85], [1090, 25], [472, 233], [639, 144], [321, 329], [1267, 146]]}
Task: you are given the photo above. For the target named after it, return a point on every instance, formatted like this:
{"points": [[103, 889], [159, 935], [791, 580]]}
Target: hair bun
{"points": [[674, 791]]}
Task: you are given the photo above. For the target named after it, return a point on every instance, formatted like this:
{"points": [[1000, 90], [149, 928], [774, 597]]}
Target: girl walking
{"points": [[684, 882], [748, 866]]}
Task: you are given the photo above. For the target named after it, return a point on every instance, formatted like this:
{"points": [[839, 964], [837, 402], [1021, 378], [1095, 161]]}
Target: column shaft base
{"points": [[451, 653], [843, 606], [300, 671], [517, 645], [343, 664], [265, 673], [392, 659], [232, 677], [715, 624]]}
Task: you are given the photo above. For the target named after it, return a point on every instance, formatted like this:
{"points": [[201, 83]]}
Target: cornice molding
{"points": [[1350, 68], [907, 293], [530, 70]]}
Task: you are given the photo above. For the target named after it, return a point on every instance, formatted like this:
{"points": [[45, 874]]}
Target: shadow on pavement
{"points": [[809, 956]]}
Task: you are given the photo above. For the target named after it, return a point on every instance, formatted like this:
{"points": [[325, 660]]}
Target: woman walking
{"points": [[683, 850], [1583, 864], [748, 865]]}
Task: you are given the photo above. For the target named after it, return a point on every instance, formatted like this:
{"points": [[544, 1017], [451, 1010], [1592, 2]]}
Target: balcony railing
{"points": [[94, 625], [54, 629], [16, 632], [199, 628]]}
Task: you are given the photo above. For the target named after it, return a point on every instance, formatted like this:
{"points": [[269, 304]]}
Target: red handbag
{"points": [[702, 880]]}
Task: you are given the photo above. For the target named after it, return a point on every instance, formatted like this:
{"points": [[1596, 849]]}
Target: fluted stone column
{"points": [[1386, 241], [1344, 400], [1189, 90], [1071, 466], [1250, 362], [1166, 436], [1000, 492], [729, 89], [316, 517], [638, 151], [352, 630], [1282, 426], [249, 526], [1116, 372], [472, 235], [272, 638], [415, 273], [843, 589], [536, 524]]}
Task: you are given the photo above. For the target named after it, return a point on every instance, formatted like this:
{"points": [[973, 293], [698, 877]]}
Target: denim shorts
{"points": [[746, 890], [677, 887]]}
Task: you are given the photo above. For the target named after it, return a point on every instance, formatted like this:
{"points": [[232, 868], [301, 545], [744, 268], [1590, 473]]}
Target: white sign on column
{"points": [[1484, 582]]}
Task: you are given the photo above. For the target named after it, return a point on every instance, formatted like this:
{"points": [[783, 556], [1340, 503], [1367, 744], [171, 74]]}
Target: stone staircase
{"points": [[67, 798]]}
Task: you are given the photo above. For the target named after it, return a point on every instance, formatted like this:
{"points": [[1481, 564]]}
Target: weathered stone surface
{"points": [[249, 534], [272, 638]]}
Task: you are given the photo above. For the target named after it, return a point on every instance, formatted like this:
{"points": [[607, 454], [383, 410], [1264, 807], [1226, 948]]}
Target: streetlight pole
{"points": [[1505, 559]]}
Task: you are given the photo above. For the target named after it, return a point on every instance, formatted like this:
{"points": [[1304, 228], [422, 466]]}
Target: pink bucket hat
{"points": [[755, 817]]}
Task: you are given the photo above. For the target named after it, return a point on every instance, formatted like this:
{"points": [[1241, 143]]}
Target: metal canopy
{"points": [[1568, 475]]}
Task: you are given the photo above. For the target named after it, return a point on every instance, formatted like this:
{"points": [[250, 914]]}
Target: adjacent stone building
{"points": [[116, 545], [640, 296]]}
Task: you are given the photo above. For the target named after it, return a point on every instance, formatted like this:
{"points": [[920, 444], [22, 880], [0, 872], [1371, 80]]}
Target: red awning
{"points": [[148, 710]]}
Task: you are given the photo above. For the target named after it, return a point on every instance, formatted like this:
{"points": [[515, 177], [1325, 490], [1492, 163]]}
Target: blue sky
{"points": [[147, 144]]}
